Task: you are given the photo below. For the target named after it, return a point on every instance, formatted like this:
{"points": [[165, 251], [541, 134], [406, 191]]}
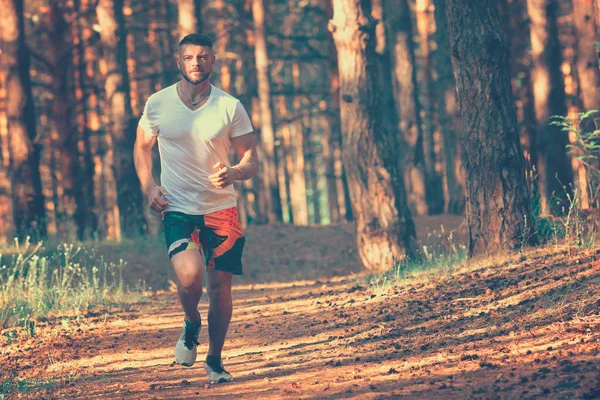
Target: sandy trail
{"points": [[516, 328]]}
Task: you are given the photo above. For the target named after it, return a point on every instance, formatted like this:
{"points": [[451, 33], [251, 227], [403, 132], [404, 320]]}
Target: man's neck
{"points": [[194, 91]]}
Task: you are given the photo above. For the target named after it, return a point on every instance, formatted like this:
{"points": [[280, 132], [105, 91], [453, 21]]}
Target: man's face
{"points": [[195, 63]]}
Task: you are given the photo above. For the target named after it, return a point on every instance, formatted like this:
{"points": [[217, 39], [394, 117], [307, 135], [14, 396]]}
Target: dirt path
{"points": [[517, 329]]}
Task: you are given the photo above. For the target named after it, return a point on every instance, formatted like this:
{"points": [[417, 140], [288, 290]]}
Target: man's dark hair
{"points": [[196, 39]]}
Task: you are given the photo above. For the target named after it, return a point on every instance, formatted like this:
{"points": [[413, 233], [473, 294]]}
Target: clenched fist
{"points": [[156, 198], [225, 175]]}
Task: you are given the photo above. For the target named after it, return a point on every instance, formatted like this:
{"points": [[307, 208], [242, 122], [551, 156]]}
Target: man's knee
{"points": [[188, 271], [190, 282], [218, 290]]}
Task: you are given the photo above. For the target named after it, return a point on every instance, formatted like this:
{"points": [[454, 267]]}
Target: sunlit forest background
{"points": [[75, 75], [424, 223]]}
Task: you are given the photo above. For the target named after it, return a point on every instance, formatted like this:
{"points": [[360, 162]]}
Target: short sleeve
{"points": [[240, 123], [149, 120]]}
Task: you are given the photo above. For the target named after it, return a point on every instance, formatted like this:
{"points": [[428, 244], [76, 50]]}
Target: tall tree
{"points": [[119, 119], [246, 90], [516, 27], [79, 30], [385, 229], [98, 159], [268, 156], [399, 37], [28, 201], [587, 63], [446, 109], [434, 192], [72, 215], [497, 193], [188, 17], [554, 170], [596, 4], [6, 204], [335, 164], [299, 175]]}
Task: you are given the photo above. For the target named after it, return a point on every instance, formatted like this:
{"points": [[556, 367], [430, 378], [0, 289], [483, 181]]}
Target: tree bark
{"points": [[337, 185], [104, 189], [398, 29], [248, 92], [497, 193], [7, 222], [434, 193], [27, 197], [446, 109], [385, 229], [596, 4], [120, 122], [188, 17], [330, 144], [268, 156], [516, 28], [90, 216], [72, 218], [554, 170], [587, 63], [299, 176]]}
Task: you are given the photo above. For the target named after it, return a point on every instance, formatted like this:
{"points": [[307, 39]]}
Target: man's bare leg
{"points": [[189, 268], [218, 286]]}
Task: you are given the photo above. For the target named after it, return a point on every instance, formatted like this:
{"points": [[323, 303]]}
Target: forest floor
{"points": [[307, 324]]}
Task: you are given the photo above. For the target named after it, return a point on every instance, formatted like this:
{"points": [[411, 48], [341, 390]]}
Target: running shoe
{"points": [[217, 374], [185, 349]]}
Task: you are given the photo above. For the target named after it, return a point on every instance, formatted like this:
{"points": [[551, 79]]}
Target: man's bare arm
{"points": [[247, 167], [142, 158], [246, 150]]}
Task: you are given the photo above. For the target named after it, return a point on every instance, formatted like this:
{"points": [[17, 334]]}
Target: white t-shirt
{"points": [[190, 143]]}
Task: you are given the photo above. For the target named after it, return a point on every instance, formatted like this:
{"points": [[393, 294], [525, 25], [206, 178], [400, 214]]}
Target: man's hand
{"points": [[225, 176], [156, 198]]}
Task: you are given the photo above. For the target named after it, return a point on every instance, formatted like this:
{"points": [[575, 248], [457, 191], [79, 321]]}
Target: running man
{"points": [[195, 125]]}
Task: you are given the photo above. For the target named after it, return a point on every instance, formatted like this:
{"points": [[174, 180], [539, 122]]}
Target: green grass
{"points": [[38, 283], [439, 256], [25, 386]]}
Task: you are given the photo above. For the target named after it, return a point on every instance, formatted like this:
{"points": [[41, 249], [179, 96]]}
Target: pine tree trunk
{"points": [[516, 27], [398, 28], [596, 4], [446, 108], [339, 204], [266, 145], [72, 221], [27, 198], [6, 207], [388, 109], [298, 175], [434, 192], [188, 17], [48, 168], [588, 83], [328, 146], [120, 122], [90, 215], [102, 151], [587, 63], [286, 166], [554, 170], [385, 229], [166, 46], [497, 194], [246, 89]]}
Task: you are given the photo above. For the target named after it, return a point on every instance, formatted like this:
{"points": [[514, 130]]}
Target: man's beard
{"points": [[203, 77]]}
